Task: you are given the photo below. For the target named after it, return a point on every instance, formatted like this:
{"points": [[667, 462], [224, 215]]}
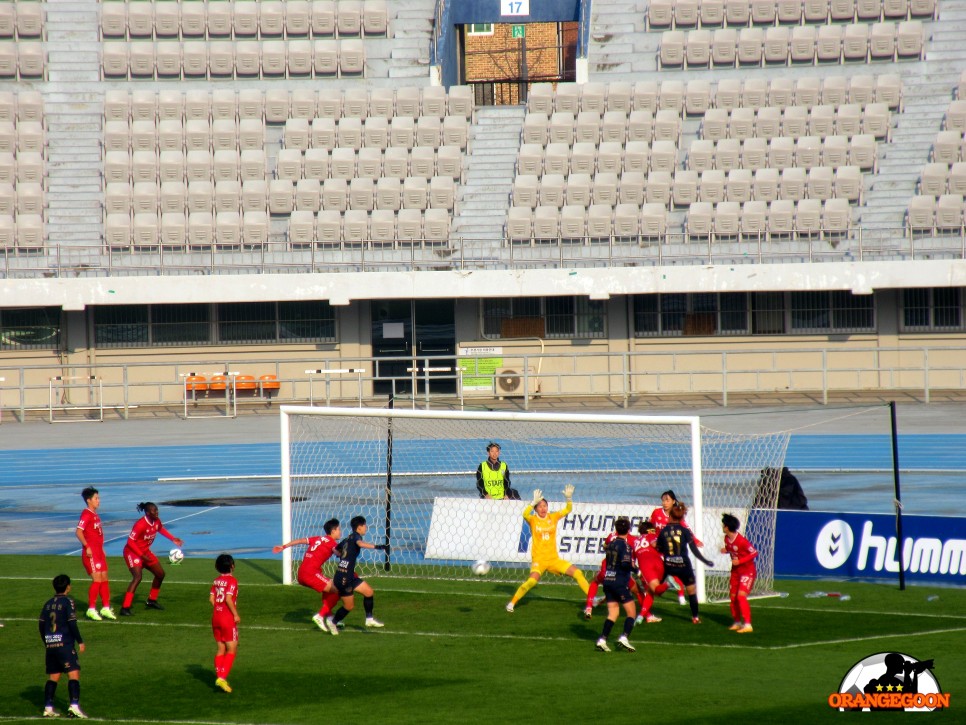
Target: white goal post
{"points": [[412, 474]]}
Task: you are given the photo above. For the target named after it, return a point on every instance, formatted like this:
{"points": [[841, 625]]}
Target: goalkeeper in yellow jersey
{"points": [[543, 527]]}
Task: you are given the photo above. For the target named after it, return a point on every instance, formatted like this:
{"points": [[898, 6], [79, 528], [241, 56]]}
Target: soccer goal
{"points": [[412, 474]]}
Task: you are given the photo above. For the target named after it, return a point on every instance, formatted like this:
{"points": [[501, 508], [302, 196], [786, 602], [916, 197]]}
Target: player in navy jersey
{"points": [[673, 542], [743, 572], [346, 581], [310, 574], [63, 641], [224, 618], [619, 563]]}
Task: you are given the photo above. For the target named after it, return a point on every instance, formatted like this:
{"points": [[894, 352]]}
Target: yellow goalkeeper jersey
{"points": [[544, 530]]}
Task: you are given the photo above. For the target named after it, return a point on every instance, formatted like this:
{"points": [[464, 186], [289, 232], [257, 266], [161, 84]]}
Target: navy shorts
{"points": [[684, 573], [346, 585], [61, 659], [620, 593]]}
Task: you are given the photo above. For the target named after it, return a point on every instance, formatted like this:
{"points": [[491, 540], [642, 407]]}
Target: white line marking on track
{"points": [[182, 518]]}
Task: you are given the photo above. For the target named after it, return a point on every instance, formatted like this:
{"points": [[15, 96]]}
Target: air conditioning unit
{"points": [[509, 382]]}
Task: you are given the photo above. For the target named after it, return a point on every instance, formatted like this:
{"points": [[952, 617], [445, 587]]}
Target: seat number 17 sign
{"points": [[514, 7]]}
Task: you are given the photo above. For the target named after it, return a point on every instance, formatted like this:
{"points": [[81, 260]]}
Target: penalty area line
{"points": [[870, 638]]}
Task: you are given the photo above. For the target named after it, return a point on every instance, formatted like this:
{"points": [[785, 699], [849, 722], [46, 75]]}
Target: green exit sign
{"points": [[519, 31]]}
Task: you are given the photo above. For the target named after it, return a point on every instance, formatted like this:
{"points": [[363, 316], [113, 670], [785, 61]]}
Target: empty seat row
{"points": [[831, 91], [372, 163], [279, 104], [21, 231], [783, 152], [950, 147], [22, 198], [938, 179], [740, 13], [685, 187], [587, 126], [124, 166], [797, 121], [561, 158], [21, 20], [245, 19], [955, 118], [22, 167], [696, 95], [24, 136], [381, 229], [199, 231], [277, 196], [807, 219], [233, 59], [599, 223], [193, 135], [929, 215], [23, 60], [376, 132], [22, 105], [801, 44], [589, 158]]}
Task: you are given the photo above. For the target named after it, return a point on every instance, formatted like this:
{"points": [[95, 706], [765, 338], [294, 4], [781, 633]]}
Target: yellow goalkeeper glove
{"points": [[569, 491], [537, 495]]}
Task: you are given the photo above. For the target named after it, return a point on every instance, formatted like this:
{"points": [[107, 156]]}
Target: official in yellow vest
{"points": [[493, 476]]}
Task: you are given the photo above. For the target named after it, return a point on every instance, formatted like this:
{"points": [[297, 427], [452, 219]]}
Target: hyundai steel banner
{"points": [[864, 546]]}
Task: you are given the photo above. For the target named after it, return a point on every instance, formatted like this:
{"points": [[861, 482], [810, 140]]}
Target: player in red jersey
{"points": [[311, 574], [90, 534], [743, 572], [660, 518], [138, 555], [224, 618], [598, 579], [650, 564]]}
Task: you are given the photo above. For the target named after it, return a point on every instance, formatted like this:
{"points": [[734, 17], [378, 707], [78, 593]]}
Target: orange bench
{"points": [[269, 385]]}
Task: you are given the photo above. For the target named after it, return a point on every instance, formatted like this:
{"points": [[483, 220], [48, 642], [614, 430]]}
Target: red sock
{"points": [[646, 604], [220, 666], [662, 587], [328, 603], [92, 595], [745, 609], [226, 663], [105, 594], [153, 594], [735, 610], [592, 592], [128, 599]]}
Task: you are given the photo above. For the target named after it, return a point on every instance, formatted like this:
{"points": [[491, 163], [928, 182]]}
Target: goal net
{"points": [[412, 475]]}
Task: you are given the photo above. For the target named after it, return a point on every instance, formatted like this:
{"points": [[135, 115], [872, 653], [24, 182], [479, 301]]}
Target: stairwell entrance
{"points": [[501, 60]]}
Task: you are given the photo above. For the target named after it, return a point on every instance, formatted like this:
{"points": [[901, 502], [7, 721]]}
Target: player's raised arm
{"points": [[279, 548]]}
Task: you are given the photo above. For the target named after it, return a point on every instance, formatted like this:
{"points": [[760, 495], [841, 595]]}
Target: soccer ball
{"points": [[175, 556], [481, 568]]}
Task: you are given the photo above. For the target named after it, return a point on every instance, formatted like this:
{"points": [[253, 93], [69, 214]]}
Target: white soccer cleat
{"points": [[509, 607], [745, 629], [602, 645], [319, 622], [682, 600], [374, 623], [108, 613], [92, 614], [735, 627], [332, 627], [75, 711], [622, 643], [50, 712], [639, 620], [588, 613], [653, 619], [598, 600]]}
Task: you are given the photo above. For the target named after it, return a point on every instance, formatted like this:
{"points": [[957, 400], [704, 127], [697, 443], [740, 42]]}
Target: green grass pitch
{"points": [[451, 654]]}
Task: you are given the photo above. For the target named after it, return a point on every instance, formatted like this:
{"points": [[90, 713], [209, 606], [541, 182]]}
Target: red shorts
{"points": [[742, 581], [313, 580], [97, 561], [224, 628], [652, 568], [134, 559]]}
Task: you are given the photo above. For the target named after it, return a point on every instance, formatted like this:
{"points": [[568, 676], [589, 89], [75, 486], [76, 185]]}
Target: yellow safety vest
{"points": [[493, 480]]}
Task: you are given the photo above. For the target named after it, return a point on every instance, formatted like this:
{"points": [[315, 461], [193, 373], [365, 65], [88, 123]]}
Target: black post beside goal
{"points": [[388, 565]]}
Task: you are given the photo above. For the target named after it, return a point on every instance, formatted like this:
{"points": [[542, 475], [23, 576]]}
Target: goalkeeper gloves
{"points": [[569, 491], [537, 495]]}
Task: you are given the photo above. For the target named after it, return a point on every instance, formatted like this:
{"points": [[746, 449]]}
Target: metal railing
{"points": [[124, 387], [280, 257]]}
